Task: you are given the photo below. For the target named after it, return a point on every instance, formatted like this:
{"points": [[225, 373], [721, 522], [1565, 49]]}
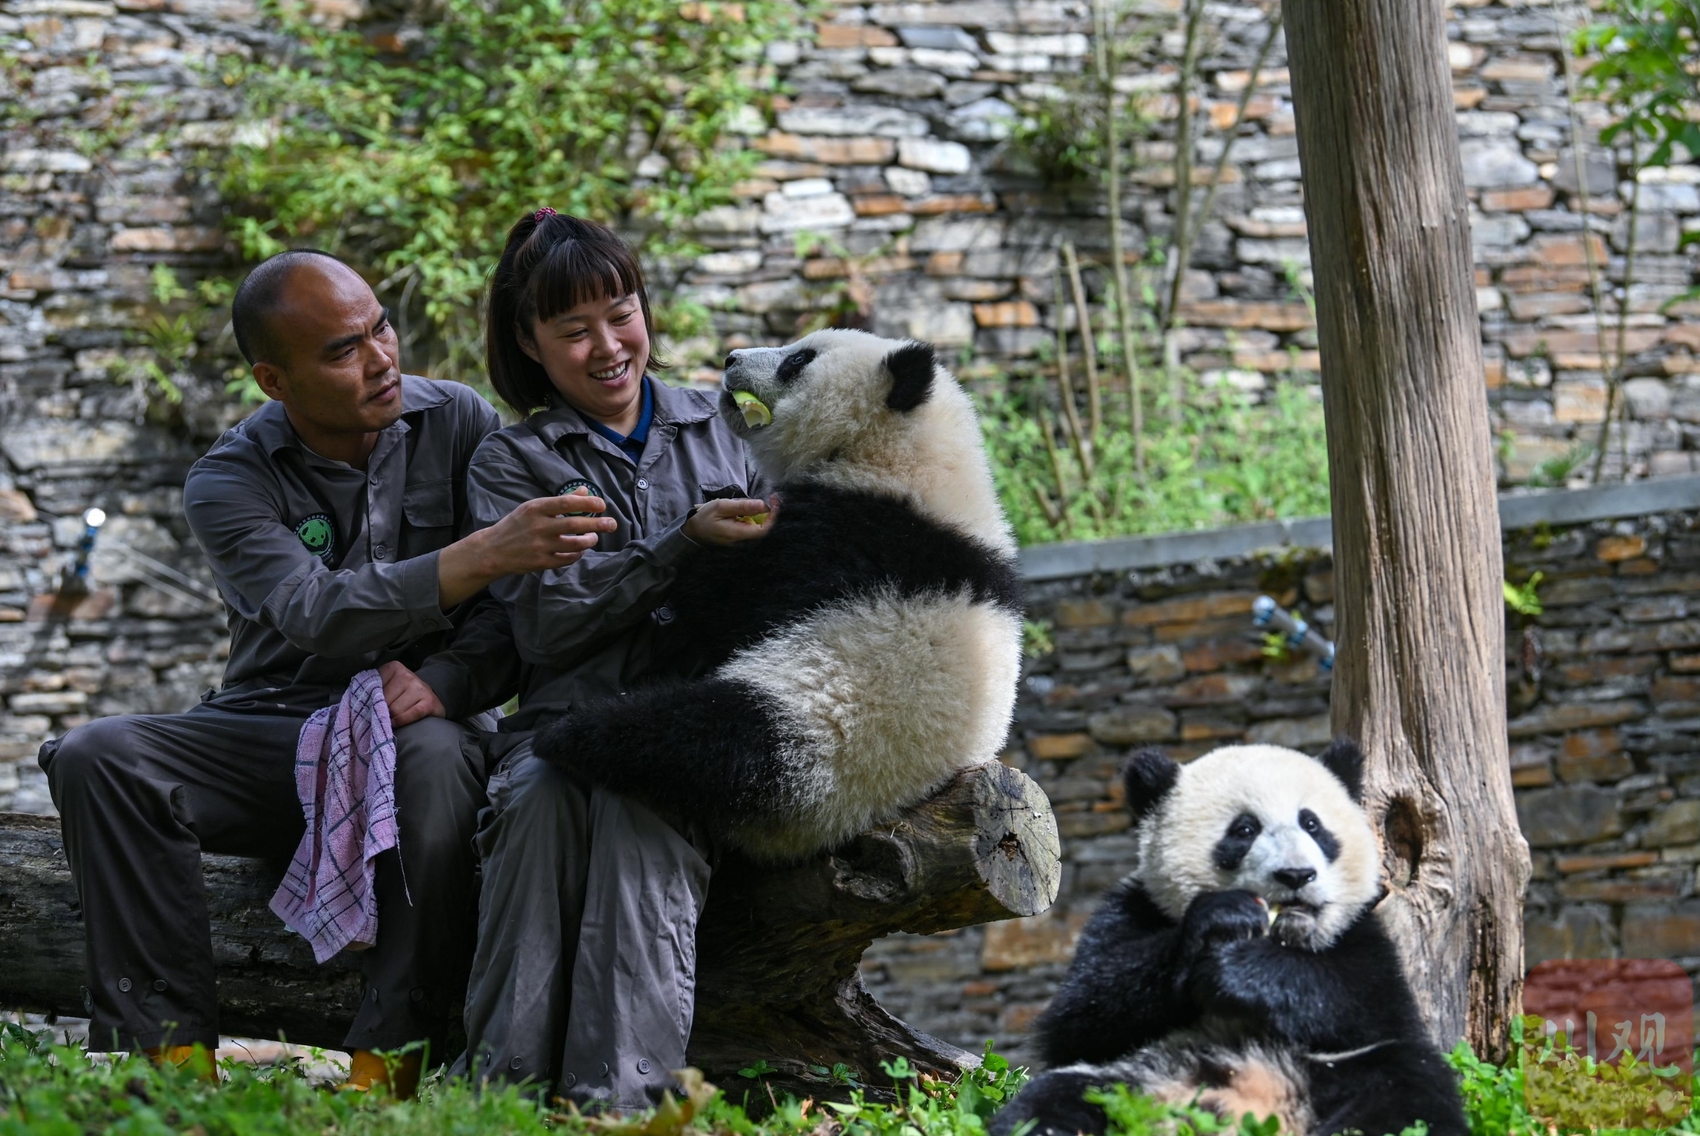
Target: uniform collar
{"points": [[676, 405], [269, 425]]}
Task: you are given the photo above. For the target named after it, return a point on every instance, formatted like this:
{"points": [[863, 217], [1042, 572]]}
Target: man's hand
{"points": [[409, 697], [536, 535], [728, 522]]}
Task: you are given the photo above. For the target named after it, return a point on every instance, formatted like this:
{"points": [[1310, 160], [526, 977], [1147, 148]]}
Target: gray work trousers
{"points": [[585, 973], [140, 797]]}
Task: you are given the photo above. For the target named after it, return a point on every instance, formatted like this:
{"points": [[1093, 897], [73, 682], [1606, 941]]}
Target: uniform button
{"points": [[380, 552], [643, 483], [516, 1063], [417, 994], [664, 614], [123, 985], [159, 985], [568, 1080], [605, 1068], [643, 1066]]}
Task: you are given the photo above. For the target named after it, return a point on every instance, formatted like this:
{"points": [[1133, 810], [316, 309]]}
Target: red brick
{"points": [[854, 35], [1190, 609], [1084, 613], [1615, 548], [1058, 747], [954, 203], [1606, 860], [1516, 200], [877, 205], [1215, 655], [1007, 313]]}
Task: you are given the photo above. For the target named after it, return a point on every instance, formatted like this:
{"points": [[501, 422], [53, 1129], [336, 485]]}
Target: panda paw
{"points": [[1217, 917]]}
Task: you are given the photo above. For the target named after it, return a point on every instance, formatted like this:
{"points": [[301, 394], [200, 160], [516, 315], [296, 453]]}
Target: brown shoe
{"points": [[195, 1058], [398, 1076]]}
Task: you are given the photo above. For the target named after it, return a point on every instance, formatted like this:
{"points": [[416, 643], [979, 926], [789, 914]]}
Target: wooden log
{"points": [[778, 948]]}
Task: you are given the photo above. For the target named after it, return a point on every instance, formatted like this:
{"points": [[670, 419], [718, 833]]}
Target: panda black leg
{"points": [[706, 748], [1056, 1102]]}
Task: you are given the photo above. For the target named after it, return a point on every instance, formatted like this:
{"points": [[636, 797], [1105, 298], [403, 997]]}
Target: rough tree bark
{"points": [[778, 948], [1420, 673]]}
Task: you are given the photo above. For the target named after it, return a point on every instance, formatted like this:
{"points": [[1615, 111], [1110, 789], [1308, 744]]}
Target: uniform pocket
{"points": [[430, 504]]}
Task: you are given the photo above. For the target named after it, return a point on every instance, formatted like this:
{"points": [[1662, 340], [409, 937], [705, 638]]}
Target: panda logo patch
{"points": [[318, 536], [574, 486]]}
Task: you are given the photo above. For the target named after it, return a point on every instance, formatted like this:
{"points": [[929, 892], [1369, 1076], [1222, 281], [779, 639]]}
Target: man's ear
{"points": [[269, 378], [911, 368]]}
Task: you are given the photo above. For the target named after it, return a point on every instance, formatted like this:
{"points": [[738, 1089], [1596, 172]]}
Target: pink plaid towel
{"points": [[345, 777]]}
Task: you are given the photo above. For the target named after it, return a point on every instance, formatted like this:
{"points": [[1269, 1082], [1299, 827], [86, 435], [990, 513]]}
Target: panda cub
{"points": [[855, 658], [1240, 965]]}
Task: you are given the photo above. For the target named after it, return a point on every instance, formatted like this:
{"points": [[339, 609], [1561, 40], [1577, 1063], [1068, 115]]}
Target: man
{"points": [[329, 518]]}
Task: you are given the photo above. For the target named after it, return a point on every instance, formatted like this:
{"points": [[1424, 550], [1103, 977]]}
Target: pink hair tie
{"points": [[542, 213]]}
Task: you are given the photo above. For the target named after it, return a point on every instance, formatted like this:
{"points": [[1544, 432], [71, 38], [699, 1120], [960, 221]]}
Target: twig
{"points": [[1186, 239], [1082, 444], [1047, 428], [1107, 56], [1587, 213], [1614, 378], [1183, 133], [1088, 349]]}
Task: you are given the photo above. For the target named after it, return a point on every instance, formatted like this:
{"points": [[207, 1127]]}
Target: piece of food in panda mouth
{"points": [[752, 519], [756, 413], [1274, 913]]}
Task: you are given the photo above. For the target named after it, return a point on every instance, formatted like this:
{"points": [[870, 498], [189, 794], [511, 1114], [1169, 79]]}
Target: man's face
{"points": [[339, 371]]}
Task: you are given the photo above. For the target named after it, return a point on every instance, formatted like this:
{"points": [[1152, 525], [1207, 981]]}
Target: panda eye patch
{"points": [[792, 365], [1242, 833], [1325, 840]]}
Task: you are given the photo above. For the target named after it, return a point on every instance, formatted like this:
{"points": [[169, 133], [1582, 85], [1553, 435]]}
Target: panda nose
{"points": [[1295, 878]]}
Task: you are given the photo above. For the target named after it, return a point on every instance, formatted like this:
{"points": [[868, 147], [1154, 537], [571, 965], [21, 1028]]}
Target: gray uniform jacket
{"points": [[327, 570], [589, 629]]}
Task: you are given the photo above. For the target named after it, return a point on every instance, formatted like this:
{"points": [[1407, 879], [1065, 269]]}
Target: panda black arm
{"points": [[1121, 991], [1350, 994], [828, 544], [708, 749]]}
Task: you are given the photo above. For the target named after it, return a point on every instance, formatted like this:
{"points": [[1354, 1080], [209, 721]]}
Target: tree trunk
{"points": [[778, 948], [1420, 678]]}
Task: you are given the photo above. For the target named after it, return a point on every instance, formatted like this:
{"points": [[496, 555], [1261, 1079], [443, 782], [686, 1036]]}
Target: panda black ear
{"points": [[911, 368], [1346, 761], [1147, 779]]}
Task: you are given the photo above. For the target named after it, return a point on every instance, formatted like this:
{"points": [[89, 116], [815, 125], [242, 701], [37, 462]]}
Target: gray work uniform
{"points": [[326, 570], [585, 972]]}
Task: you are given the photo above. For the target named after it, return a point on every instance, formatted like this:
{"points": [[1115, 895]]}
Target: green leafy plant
{"points": [[1221, 459], [1524, 599], [411, 156], [1037, 640]]}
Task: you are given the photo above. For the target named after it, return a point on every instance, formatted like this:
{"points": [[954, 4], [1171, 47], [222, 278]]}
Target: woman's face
{"points": [[595, 354]]}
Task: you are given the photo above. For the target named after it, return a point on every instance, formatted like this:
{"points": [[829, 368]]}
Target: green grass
{"points": [[52, 1089]]}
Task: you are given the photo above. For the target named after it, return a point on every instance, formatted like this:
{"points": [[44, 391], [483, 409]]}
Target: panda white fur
{"points": [[851, 661], [1183, 987]]}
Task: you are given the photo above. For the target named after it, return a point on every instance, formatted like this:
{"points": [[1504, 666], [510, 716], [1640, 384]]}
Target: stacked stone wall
{"points": [[1604, 692], [891, 153]]}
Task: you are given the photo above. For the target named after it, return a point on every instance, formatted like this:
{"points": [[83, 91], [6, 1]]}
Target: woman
{"points": [[585, 970]]}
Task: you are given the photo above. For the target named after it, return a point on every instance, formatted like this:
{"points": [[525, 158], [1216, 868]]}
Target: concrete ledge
{"points": [[1516, 511]]}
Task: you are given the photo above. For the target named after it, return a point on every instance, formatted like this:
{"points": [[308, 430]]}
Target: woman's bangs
{"points": [[578, 272]]}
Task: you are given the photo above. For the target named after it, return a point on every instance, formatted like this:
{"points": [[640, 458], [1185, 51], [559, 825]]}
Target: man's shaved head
{"points": [[258, 300]]}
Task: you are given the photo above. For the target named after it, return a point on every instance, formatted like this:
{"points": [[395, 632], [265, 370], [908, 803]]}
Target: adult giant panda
{"points": [[863, 651], [1241, 964]]}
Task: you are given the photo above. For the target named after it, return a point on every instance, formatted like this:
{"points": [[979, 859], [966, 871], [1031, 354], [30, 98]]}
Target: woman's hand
{"points": [[728, 522]]}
